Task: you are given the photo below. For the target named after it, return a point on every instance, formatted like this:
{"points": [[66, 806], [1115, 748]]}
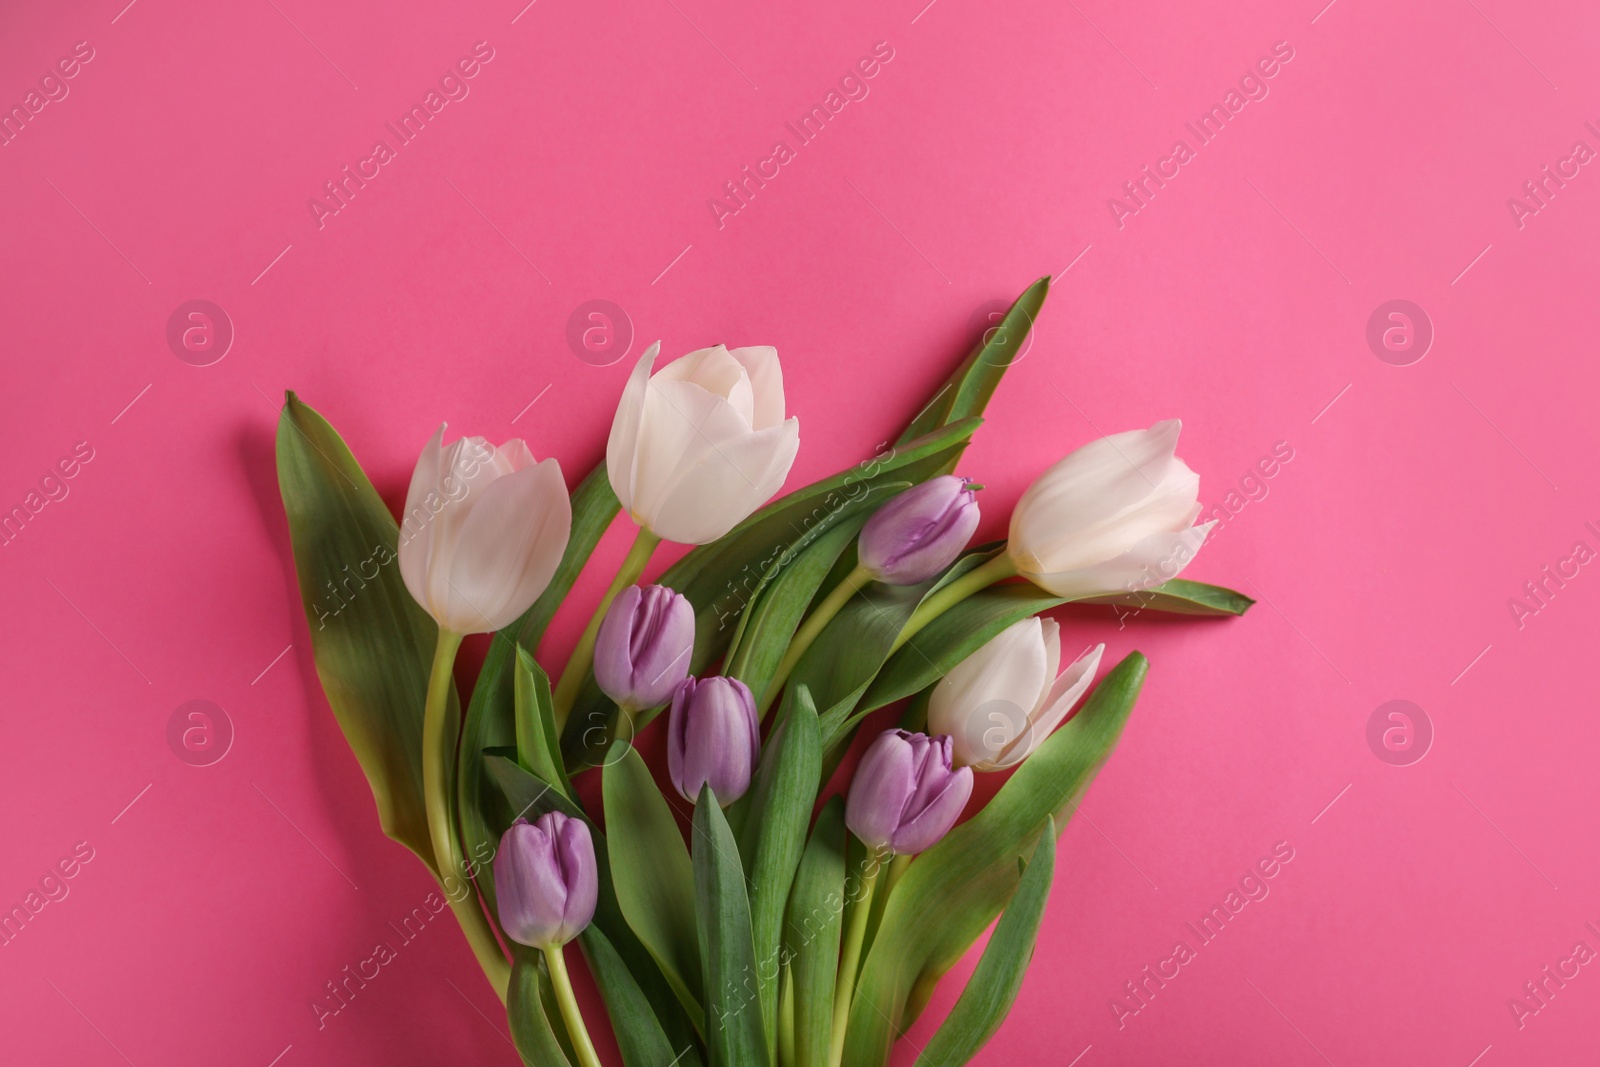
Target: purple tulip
{"points": [[905, 795], [545, 880], [712, 737], [641, 654], [920, 532]]}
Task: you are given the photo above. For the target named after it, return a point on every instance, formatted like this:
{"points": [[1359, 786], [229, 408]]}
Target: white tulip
{"points": [[699, 445], [483, 531], [1001, 702], [1115, 516]]}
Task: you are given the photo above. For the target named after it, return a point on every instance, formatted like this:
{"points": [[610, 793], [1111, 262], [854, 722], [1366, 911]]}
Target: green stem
{"points": [[569, 1008], [577, 668], [438, 757], [809, 630], [942, 600], [850, 959]]}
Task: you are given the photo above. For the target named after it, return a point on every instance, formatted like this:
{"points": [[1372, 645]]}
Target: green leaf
{"points": [[528, 797], [967, 391], [1180, 597], [775, 834], [491, 719], [811, 935], [372, 643], [654, 877], [719, 579], [994, 984], [956, 888], [851, 652], [531, 1031], [780, 604], [735, 1035], [536, 724], [639, 1036], [953, 636]]}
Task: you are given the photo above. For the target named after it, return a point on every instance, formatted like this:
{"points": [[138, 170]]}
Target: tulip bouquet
{"points": [[761, 905]]}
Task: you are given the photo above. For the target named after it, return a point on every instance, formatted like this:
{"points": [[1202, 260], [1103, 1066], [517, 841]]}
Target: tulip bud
{"points": [[920, 532], [1001, 702], [546, 880], [712, 736], [905, 795], [703, 442], [1112, 517], [641, 654], [483, 531]]}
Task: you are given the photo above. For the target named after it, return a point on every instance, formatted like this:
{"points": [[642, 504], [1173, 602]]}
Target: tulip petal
{"points": [[414, 523], [1158, 558], [935, 815], [985, 701], [1090, 489], [766, 380], [719, 479], [622, 446], [1063, 696], [574, 848], [716, 371], [508, 548], [882, 785]]}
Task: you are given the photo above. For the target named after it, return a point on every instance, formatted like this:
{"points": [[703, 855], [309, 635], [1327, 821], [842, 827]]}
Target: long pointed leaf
{"points": [[967, 391], [994, 984], [651, 869], [811, 935], [531, 1029], [785, 792], [735, 1034], [640, 1038], [372, 644]]}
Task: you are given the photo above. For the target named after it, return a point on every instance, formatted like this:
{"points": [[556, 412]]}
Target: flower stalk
{"points": [[570, 1015], [438, 755], [577, 668]]}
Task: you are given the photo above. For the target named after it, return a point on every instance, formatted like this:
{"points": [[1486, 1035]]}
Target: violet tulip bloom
{"points": [[546, 880], [906, 794], [642, 652], [712, 737], [920, 532]]}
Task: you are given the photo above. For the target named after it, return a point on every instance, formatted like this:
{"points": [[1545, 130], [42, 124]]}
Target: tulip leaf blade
{"points": [[490, 721], [781, 601], [1180, 597], [955, 889], [735, 1033], [526, 795], [968, 390], [775, 834], [374, 649], [531, 1031], [640, 1038], [537, 746], [994, 984], [652, 872], [812, 928], [953, 636]]}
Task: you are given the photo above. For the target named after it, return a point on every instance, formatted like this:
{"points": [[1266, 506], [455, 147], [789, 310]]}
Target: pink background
{"points": [[180, 165]]}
